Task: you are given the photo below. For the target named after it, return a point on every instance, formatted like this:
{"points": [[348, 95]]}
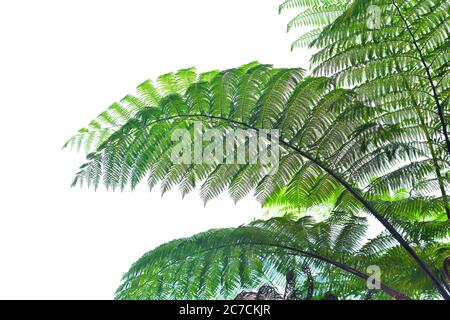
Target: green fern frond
{"points": [[247, 257]]}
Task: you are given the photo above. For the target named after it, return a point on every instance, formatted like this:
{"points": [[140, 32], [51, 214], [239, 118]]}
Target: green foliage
{"points": [[221, 263], [366, 133], [319, 127], [400, 67], [148, 95], [314, 16], [328, 124]]}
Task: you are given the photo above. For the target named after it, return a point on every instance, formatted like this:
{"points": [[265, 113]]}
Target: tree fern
{"points": [[400, 66], [323, 136]]}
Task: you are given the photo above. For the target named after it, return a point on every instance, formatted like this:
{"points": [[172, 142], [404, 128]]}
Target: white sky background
{"points": [[61, 64]]}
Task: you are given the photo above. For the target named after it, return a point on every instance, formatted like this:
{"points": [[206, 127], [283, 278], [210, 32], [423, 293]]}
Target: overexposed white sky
{"points": [[61, 64]]}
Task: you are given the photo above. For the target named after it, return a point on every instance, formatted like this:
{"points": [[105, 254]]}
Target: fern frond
{"points": [[244, 258]]}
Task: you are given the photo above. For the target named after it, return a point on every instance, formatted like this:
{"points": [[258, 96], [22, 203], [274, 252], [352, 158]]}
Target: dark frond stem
{"points": [[440, 110], [440, 178], [446, 283], [346, 185], [290, 292], [310, 281], [447, 272]]}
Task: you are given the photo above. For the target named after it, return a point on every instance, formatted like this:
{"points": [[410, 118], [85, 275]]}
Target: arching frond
{"points": [[149, 94], [263, 252]]}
